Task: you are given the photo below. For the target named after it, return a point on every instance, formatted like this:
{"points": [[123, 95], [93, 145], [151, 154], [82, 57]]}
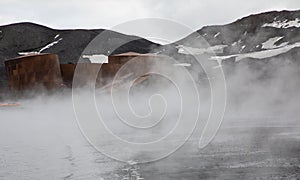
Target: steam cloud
{"points": [[41, 138]]}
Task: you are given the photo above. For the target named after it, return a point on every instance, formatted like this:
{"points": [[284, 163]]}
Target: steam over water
{"points": [[259, 135]]}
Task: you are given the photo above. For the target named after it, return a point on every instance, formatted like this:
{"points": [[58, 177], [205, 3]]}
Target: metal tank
{"points": [[37, 71]]}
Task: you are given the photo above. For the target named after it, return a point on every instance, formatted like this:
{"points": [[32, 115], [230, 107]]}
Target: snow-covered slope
{"points": [[257, 36], [259, 54], [287, 23]]}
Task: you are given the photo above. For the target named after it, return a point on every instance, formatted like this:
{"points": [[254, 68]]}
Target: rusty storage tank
{"points": [[3, 82], [140, 65], [85, 72], [34, 72], [107, 72]]}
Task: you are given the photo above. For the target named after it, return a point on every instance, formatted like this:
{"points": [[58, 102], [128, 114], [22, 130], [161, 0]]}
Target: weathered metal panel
{"points": [[107, 72], [33, 72], [85, 73]]}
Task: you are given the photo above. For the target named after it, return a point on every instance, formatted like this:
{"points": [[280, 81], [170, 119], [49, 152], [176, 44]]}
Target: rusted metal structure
{"points": [[44, 71], [36, 71], [120, 59], [9, 104], [141, 63], [107, 72], [85, 72]]}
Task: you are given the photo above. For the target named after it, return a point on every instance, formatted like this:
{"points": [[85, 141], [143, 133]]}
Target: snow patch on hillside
{"points": [[183, 64], [97, 58], [234, 44], [270, 43], [216, 35], [28, 53], [283, 24], [190, 50], [258, 55], [50, 45], [221, 58], [42, 49]]}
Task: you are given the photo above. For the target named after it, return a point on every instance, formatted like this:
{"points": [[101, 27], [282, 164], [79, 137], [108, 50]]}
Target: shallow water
{"points": [[41, 140]]}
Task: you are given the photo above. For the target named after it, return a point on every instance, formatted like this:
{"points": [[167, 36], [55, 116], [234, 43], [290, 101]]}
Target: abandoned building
{"points": [[32, 71]]}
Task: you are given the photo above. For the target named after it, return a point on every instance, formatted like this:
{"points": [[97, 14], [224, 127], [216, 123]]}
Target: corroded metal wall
{"points": [[85, 74], [142, 62], [34, 71], [3, 82], [44, 70], [107, 72]]}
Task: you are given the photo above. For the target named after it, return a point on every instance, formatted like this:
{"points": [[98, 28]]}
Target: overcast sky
{"points": [[66, 14]]}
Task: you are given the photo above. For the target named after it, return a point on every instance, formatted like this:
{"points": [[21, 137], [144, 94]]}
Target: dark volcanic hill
{"points": [[23, 38]]}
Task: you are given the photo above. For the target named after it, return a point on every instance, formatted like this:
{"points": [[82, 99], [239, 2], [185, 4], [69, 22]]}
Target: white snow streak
{"points": [[97, 58], [190, 50], [284, 24], [183, 64], [270, 44], [258, 55], [50, 45], [216, 35], [42, 49], [27, 53], [57, 35]]}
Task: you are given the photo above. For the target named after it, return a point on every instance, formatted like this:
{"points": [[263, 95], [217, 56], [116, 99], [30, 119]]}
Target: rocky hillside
{"points": [[261, 36], [25, 38]]}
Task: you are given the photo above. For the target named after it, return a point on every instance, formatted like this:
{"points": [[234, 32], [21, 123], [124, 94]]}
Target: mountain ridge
{"points": [[261, 37]]}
